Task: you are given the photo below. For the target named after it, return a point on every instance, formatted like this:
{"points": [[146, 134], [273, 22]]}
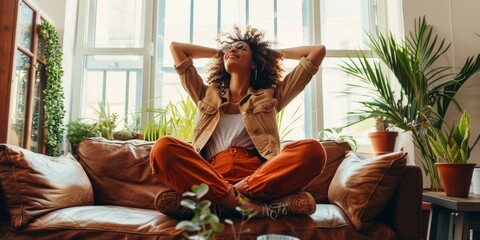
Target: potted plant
{"points": [[383, 140], [106, 121], [453, 152], [425, 89], [335, 134], [79, 130]]}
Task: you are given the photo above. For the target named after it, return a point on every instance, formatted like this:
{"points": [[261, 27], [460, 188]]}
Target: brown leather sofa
{"points": [[109, 194]]}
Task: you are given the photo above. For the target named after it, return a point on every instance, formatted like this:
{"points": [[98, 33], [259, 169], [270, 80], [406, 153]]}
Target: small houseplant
{"points": [[453, 152], [383, 140], [77, 131]]}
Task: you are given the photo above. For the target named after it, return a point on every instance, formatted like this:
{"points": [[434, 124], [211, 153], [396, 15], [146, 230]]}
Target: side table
{"points": [[453, 217]]}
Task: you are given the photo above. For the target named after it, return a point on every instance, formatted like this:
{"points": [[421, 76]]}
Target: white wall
{"points": [[457, 21]]}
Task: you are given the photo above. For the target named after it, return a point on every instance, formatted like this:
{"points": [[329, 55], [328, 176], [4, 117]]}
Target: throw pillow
{"points": [[363, 186], [33, 184], [120, 172], [318, 187]]}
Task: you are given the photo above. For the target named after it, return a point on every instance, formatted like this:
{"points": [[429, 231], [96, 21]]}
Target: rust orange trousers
{"points": [[177, 165]]}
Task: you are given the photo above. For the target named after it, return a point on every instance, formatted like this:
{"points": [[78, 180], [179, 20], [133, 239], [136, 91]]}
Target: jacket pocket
{"points": [[265, 117]]}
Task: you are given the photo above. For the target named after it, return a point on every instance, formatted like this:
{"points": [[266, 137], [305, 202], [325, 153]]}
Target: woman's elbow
{"points": [[317, 55]]}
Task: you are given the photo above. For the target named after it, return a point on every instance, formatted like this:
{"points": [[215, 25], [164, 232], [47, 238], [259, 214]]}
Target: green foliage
{"points": [[247, 214], [453, 146], [106, 122], [79, 130], [204, 223], [284, 130], [426, 90], [54, 98], [334, 134], [176, 119]]}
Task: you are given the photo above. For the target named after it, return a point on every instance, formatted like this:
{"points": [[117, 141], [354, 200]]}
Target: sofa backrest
{"points": [[120, 172]]}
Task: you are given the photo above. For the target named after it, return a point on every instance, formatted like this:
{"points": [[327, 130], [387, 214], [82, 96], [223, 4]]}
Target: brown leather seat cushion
{"points": [[115, 222]]}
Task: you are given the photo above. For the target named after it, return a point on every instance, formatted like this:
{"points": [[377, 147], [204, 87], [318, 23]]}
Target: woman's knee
{"points": [[311, 153], [161, 152]]}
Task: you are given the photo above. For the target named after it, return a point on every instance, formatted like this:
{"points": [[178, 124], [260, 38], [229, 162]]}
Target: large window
{"points": [[126, 60]]}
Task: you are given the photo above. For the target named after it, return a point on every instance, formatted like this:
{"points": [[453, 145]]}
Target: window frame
{"points": [[313, 106]]}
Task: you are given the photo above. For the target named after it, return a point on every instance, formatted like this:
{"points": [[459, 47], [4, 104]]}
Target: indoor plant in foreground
{"points": [[453, 152]]}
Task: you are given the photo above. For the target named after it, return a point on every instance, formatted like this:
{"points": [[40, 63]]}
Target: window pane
{"points": [[36, 135], [262, 17], [205, 22], [115, 80], [344, 23], [19, 99], [291, 31], [336, 104], [116, 24], [25, 26], [173, 25], [232, 12]]}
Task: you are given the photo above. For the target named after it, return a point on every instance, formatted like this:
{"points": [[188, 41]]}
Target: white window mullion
{"points": [[314, 103], [77, 83], [149, 63]]}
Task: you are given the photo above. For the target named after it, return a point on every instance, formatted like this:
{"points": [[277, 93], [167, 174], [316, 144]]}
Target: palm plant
{"points": [[426, 90]]}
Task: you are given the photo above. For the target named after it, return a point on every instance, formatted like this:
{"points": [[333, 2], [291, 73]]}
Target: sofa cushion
{"points": [[34, 184], [318, 187], [120, 172], [363, 186]]}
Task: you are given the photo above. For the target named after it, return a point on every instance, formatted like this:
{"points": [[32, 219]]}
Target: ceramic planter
{"points": [[456, 178], [383, 142]]}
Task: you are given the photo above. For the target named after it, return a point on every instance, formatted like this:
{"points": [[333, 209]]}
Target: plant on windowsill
{"points": [[425, 90], [106, 122], [54, 98], [453, 152], [335, 134], [77, 131], [383, 140]]}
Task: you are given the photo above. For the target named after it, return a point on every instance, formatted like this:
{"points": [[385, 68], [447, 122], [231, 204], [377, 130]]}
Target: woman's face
{"points": [[237, 57]]}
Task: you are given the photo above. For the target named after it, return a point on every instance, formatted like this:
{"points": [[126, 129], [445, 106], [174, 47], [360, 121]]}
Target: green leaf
{"points": [[201, 190], [188, 203], [187, 226]]}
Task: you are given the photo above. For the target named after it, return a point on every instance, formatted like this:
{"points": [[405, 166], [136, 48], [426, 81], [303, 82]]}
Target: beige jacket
{"points": [[258, 108]]}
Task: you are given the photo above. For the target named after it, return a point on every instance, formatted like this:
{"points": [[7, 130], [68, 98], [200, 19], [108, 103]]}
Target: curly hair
{"points": [[267, 61]]}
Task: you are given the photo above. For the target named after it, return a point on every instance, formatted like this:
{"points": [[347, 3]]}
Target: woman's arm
{"points": [[313, 53], [180, 51]]}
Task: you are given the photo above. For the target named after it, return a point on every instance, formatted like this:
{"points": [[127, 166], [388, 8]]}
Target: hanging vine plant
{"points": [[54, 98]]}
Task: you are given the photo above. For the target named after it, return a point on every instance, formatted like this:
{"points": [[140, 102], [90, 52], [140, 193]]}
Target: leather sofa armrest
{"points": [[403, 213]]}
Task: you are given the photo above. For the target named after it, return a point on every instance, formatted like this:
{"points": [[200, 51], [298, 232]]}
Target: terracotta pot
{"points": [[456, 178], [383, 142]]}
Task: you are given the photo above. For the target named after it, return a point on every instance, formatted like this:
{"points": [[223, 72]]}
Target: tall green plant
{"points": [[426, 90], [54, 98], [286, 127], [175, 119]]}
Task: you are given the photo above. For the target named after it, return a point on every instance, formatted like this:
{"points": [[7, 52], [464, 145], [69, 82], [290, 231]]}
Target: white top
{"points": [[230, 132]]}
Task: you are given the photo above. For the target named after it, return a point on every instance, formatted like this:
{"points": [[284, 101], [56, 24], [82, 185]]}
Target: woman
{"points": [[236, 144]]}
